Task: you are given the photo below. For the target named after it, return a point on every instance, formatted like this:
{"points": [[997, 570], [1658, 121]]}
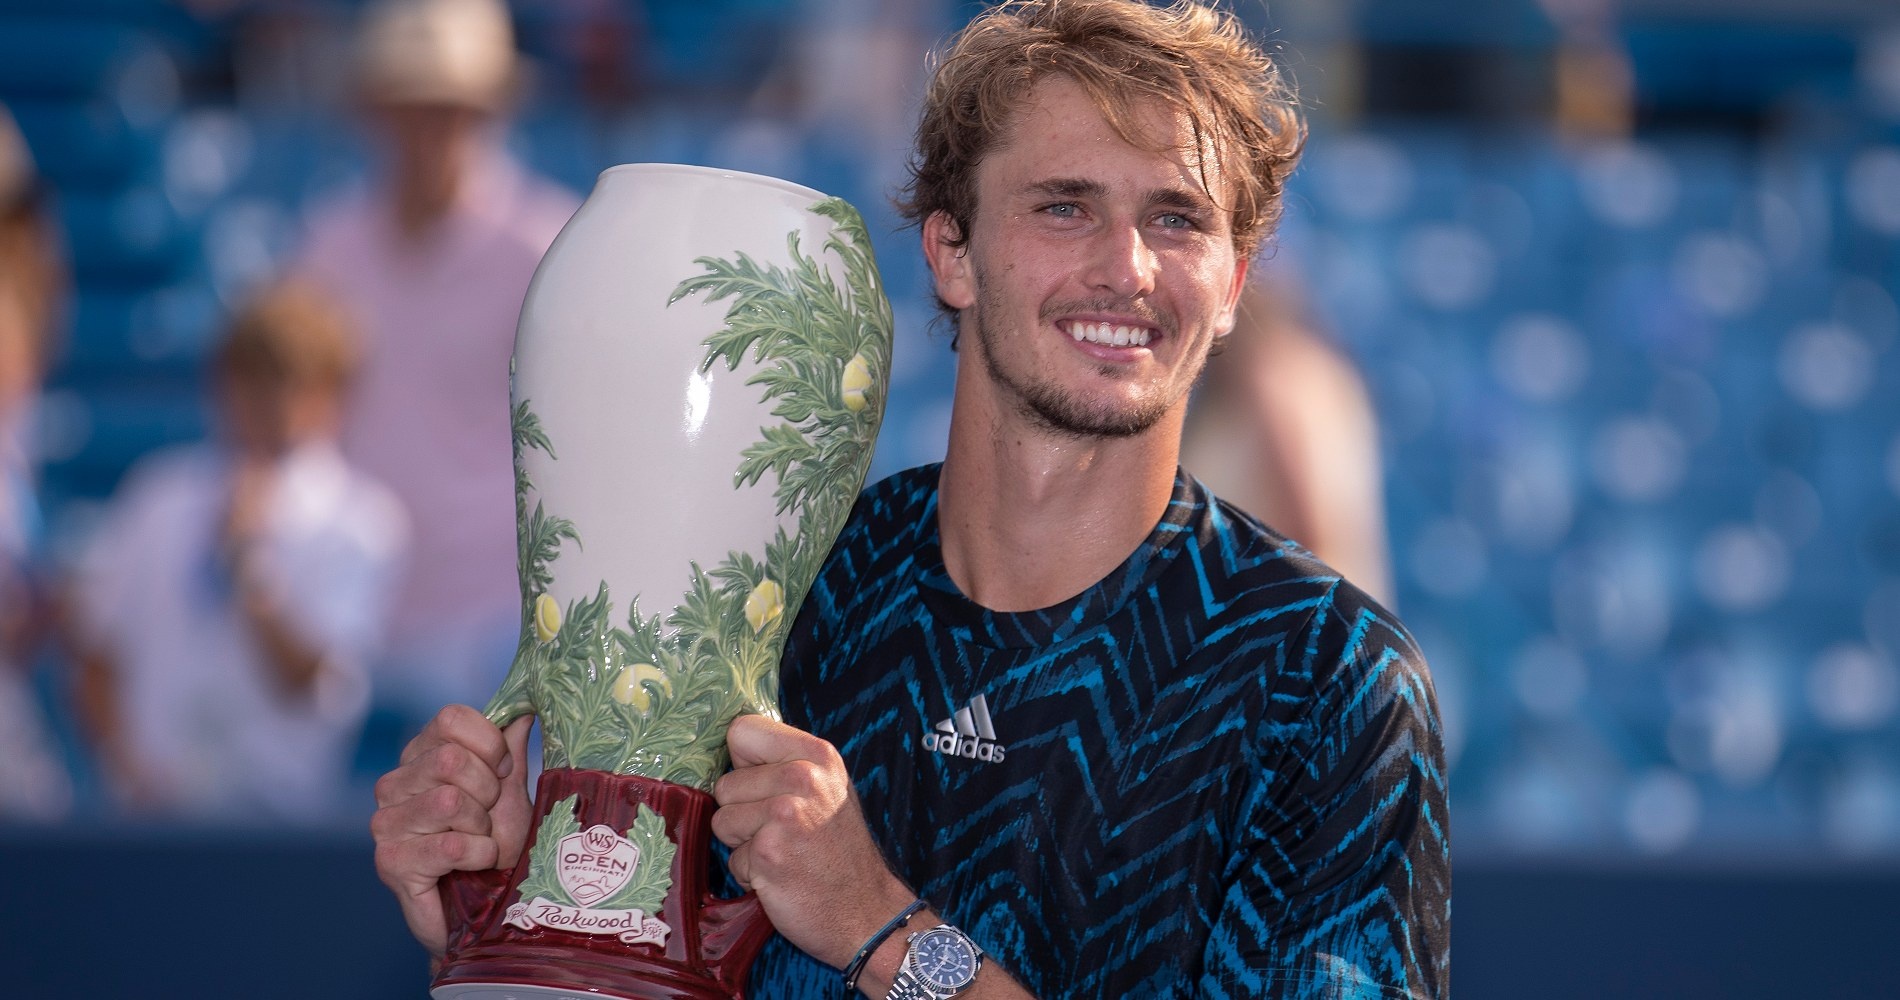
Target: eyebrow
{"points": [[1078, 187], [1067, 187]]}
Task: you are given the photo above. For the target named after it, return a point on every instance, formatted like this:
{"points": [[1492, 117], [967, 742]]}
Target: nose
{"points": [[1121, 262]]}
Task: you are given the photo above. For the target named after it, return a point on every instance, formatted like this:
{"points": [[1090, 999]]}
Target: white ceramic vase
{"points": [[699, 376]]}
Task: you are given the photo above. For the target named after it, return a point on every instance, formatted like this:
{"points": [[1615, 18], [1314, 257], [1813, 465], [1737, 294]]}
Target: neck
{"points": [[421, 204], [1030, 517]]}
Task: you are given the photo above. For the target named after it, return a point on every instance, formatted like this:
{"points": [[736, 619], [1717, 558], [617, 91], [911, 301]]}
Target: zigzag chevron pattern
{"points": [[1223, 773]]}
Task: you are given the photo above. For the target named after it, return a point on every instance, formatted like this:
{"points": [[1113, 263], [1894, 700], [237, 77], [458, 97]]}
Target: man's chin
{"points": [[1065, 418]]}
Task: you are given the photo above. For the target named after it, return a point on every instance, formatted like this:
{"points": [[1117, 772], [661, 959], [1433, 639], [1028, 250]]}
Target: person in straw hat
{"points": [[433, 259]]}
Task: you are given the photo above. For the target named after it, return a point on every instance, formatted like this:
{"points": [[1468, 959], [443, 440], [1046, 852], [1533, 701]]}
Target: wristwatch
{"points": [[940, 963]]}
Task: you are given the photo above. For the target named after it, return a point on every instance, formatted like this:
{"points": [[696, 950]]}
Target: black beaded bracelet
{"points": [[856, 968]]}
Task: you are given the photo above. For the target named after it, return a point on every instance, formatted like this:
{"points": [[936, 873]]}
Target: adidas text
{"points": [[968, 733], [952, 745]]}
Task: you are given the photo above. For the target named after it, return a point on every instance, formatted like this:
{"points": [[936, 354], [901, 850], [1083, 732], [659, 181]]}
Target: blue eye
{"points": [[1175, 220], [1062, 211]]}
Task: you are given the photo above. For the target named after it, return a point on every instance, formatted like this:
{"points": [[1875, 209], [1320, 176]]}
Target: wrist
{"points": [[878, 941], [880, 972], [879, 905]]}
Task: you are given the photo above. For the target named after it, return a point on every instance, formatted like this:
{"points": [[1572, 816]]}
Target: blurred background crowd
{"points": [[1577, 346]]}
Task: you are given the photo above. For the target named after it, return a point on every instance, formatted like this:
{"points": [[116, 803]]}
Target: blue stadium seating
{"points": [[1637, 398]]}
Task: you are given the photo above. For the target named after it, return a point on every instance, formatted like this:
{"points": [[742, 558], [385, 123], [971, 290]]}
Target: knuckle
{"points": [[388, 863], [784, 810], [380, 823], [451, 849], [475, 819], [418, 745], [452, 716], [443, 800], [386, 791], [407, 862], [770, 850], [478, 852], [805, 777], [447, 761]]}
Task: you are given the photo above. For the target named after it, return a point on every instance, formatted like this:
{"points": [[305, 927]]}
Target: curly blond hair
{"points": [[1125, 54]]}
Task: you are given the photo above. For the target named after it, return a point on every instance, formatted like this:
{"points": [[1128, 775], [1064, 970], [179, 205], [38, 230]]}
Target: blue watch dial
{"points": [[945, 959]]}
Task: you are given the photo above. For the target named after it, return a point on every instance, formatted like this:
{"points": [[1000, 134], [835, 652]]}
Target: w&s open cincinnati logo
{"points": [[969, 733]]}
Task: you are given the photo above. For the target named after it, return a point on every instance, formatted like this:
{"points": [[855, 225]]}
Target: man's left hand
{"points": [[799, 840]]}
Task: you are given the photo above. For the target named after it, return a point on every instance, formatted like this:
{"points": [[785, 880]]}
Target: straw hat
{"points": [[459, 52]]}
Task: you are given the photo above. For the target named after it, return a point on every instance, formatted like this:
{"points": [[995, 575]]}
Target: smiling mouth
{"points": [[1110, 334]]}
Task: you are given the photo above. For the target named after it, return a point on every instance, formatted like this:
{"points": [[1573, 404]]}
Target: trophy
{"points": [[698, 380]]}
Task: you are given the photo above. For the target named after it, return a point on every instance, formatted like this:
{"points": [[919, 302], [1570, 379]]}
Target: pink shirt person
{"points": [[430, 412]]}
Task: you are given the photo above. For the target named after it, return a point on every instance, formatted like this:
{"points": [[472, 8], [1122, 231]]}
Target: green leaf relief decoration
{"points": [[646, 890], [544, 860], [653, 695]]}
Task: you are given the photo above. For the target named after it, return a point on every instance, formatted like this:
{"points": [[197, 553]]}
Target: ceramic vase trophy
{"points": [[698, 381]]}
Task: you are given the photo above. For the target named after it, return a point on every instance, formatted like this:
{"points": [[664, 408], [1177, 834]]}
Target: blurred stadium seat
{"points": [[1638, 396]]}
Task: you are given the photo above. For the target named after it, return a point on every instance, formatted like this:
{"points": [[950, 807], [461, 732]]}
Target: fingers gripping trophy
{"points": [[697, 386]]}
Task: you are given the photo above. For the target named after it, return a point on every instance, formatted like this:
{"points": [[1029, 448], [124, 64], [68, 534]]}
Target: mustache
{"points": [[1135, 308]]}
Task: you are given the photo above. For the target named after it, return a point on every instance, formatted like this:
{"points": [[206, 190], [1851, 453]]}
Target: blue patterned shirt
{"points": [[1217, 772]]}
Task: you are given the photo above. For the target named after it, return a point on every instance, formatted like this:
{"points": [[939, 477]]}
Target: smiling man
{"points": [[1118, 250], [1057, 722]]}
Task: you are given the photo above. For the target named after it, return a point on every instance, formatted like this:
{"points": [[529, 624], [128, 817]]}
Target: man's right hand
{"points": [[457, 801]]}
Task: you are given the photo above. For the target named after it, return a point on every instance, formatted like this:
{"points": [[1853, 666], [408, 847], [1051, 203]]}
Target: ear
{"points": [[949, 262], [1224, 320]]}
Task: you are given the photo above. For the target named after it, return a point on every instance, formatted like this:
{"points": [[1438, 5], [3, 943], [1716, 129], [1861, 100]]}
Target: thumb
{"points": [[512, 812], [515, 764]]}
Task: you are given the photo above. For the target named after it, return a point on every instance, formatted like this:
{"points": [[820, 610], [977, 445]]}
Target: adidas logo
{"points": [[969, 733]]}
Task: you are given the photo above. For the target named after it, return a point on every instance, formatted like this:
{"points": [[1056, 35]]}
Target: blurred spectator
{"points": [[606, 41], [853, 71], [226, 608], [33, 783], [1596, 86], [1283, 428], [434, 261]]}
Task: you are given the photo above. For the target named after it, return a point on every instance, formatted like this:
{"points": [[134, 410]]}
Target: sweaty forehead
{"points": [[1058, 118]]}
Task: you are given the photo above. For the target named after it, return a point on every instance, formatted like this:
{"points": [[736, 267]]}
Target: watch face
{"points": [[945, 959]]}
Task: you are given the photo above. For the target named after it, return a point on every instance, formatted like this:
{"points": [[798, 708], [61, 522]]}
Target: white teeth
{"points": [[1114, 336]]}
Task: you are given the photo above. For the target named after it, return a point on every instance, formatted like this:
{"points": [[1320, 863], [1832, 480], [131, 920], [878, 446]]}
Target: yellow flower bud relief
{"points": [[547, 618], [630, 689], [764, 605], [857, 379]]}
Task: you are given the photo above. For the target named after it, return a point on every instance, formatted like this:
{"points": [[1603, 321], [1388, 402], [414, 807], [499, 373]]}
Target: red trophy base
{"points": [[709, 945]]}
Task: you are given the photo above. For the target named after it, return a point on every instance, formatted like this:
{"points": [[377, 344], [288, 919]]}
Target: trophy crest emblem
{"points": [[595, 864], [596, 881]]}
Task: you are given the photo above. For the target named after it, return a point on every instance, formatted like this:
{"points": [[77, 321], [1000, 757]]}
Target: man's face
{"points": [[1097, 273], [264, 418], [430, 146]]}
